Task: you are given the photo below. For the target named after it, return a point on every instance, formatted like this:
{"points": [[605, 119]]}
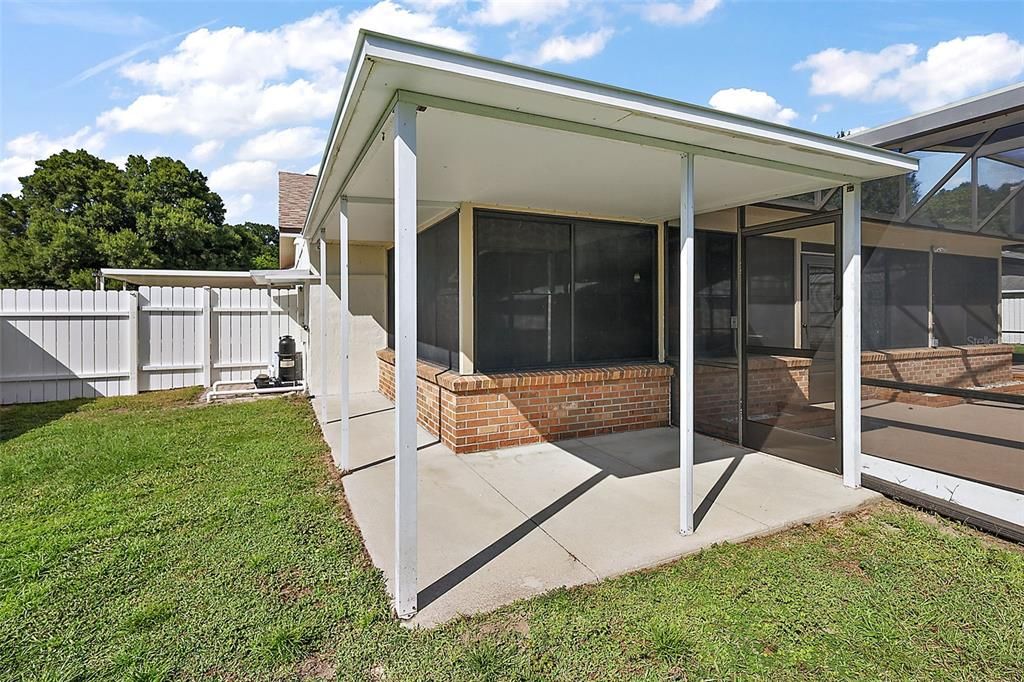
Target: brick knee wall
{"points": [[778, 382], [485, 412], [481, 412], [716, 400], [955, 367], [987, 367], [428, 393]]}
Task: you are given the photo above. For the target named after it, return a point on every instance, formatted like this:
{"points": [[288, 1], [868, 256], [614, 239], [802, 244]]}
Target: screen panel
{"points": [[523, 280], [613, 292], [771, 288], [894, 299], [966, 299]]}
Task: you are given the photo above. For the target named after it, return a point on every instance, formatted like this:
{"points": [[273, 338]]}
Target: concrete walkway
{"points": [[499, 526]]}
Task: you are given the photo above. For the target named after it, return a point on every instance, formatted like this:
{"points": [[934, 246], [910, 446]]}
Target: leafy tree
{"points": [[77, 213]]}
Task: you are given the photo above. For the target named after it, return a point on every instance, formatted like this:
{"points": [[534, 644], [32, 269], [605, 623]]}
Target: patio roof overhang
{"points": [[500, 134], [178, 278], [202, 278], [421, 130]]}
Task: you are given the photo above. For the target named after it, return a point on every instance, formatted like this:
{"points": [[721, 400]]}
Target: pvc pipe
{"points": [[214, 393]]}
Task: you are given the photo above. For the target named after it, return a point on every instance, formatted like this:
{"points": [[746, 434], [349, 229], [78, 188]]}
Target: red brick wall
{"points": [[484, 412], [988, 366], [782, 381], [776, 383], [958, 367], [716, 400], [428, 393]]}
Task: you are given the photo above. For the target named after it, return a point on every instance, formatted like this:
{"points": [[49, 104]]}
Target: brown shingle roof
{"points": [[294, 192]]}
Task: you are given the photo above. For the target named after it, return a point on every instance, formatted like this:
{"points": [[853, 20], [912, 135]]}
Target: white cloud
{"points": [[949, 70], [676, 14], [12, 168], [281, 145], [853, 74], [213, 109], [218, 83], [122, 57], [204, 151], [531, 12], [40, 146], [565, 49], [26, 149], [237, 207], [244, 176], [434, 5], [753, 103]]}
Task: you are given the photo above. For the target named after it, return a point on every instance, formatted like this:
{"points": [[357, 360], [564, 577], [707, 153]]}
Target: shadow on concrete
{"points": [[608, 465]]}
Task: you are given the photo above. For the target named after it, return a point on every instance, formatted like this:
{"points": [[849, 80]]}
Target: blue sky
{"points": [[242, 89]]}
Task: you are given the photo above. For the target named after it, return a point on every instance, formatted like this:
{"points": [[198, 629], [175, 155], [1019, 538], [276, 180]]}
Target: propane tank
{"points": [[286, 360]]}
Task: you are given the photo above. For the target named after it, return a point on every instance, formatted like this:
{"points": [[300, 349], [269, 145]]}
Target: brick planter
{"points": [[490, 411]]}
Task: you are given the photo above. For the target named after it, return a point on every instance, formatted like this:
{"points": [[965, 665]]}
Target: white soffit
{"points": [[383, 66]]}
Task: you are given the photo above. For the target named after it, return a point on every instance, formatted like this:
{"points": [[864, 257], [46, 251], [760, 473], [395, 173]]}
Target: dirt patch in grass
{"points": [[289, 586], [853, 569], [318, 666]]}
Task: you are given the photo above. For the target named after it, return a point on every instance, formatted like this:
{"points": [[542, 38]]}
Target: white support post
{"points": [[686, 344], [269, 335], [405, 359], [207, 338], [466, 282], [343, 447], [849, 345], [133, 343], [321, 392], [662, 346]]}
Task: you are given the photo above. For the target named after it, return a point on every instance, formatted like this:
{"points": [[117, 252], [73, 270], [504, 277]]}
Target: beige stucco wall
{"points": [[368, 311]]}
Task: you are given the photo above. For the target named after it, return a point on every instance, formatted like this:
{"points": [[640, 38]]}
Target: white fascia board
{"points": [[131, 272], [358, 71], [383, 47], [143, 277]]}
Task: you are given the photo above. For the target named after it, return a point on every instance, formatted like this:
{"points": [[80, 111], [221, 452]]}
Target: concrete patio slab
{"points": [[613, 517], [499, 526]]}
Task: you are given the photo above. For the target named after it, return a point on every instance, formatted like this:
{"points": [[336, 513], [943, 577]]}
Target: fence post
{"points": [[133, 343], [207, 338]]}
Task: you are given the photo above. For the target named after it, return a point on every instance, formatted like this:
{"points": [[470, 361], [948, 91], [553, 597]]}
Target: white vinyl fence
{"points": [[57, 345], [1013, 317]]}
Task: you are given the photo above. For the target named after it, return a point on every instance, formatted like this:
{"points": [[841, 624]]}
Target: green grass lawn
{"points": [[150, 538]]}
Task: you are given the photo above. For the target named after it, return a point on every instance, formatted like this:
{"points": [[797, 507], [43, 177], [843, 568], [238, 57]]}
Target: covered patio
{"points": [[535, 173], [510, 524]]}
